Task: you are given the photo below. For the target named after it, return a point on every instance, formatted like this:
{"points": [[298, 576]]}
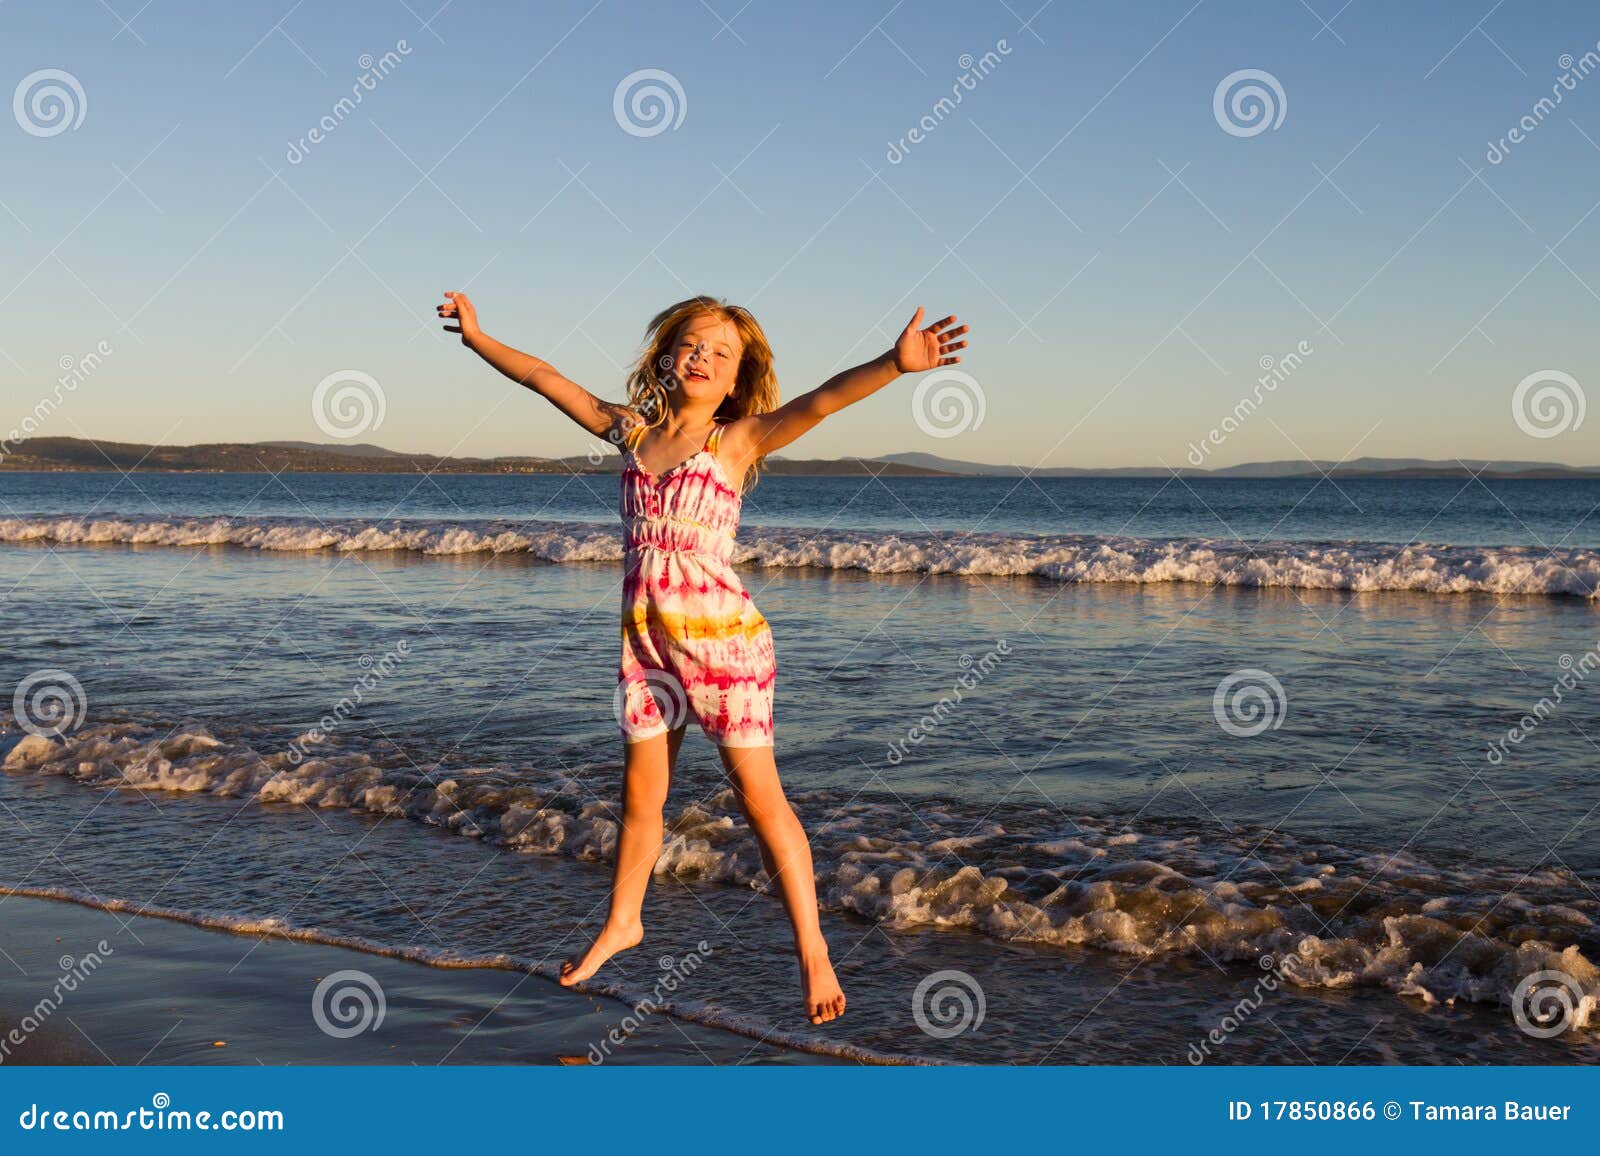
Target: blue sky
{"points": [[1126, 263]]}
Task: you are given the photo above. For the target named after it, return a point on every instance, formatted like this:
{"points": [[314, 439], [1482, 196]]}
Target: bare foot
{"points": [[824, 996], [610, 941]]}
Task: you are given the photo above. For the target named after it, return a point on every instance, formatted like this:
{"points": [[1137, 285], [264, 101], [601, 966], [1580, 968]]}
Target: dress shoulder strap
{"points": [[715, 439]]}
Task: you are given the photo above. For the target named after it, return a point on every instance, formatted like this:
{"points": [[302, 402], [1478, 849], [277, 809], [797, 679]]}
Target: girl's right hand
{"points": [[459, 309]]}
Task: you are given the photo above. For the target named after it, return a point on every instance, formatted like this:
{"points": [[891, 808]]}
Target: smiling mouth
{"points": [[695, 374]]}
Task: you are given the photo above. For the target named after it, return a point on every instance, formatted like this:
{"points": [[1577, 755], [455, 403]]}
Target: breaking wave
{"points": [[1350, 918], [1357, 566]]}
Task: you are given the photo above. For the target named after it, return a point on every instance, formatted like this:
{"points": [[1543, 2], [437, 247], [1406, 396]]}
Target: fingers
{"points": [[939, 324], [946, 350], [452, 329], [916, 320]]}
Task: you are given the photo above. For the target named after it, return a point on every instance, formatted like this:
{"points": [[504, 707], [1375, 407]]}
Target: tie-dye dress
{"points": [[692, 641]]}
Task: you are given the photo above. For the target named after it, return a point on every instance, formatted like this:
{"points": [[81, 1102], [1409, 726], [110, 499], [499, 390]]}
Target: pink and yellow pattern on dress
{"points": [[692, 640]]}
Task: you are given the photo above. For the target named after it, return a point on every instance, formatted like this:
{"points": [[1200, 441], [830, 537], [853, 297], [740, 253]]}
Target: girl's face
{"points": [[705, 358]]}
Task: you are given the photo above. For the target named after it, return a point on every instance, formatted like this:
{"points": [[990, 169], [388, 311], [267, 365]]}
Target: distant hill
{"points": [[1355, 468], [354, 449], [984, 469], [81, 454], [56, 454]]}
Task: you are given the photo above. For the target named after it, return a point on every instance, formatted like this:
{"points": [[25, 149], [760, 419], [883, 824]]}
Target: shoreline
{"points": [[168, 992]]}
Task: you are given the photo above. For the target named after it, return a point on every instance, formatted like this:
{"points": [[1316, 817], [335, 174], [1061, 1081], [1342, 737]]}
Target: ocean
{"points": [[1095, 770]]}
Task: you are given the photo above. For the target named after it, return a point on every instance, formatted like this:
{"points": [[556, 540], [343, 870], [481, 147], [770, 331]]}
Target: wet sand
{"points": [[167, 993]]}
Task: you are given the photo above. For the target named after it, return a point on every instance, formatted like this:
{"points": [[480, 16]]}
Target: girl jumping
{"points": [[702, 415]]}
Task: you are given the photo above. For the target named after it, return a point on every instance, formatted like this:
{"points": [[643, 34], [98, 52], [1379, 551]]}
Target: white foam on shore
{"points": [[690, 1011], [1349, 918], [1357, 566]]}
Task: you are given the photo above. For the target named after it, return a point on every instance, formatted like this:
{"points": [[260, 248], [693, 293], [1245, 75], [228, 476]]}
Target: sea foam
{"points": [[1356, 566], [1346, 917]]}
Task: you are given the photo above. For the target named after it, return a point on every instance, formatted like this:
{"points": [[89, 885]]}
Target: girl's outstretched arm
{"points": [[598, 417], [915, 351]]}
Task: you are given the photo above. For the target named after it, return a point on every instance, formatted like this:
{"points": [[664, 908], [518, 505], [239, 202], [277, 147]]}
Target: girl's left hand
{"points": [[918, 350]]}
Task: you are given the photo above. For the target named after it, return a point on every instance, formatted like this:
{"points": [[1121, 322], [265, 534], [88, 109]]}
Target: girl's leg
{"points": [[787, 857], [646, 775]]}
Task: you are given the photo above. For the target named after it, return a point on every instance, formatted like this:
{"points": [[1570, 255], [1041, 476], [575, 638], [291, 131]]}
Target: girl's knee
{"points": [[766, 808], [644, 811]]}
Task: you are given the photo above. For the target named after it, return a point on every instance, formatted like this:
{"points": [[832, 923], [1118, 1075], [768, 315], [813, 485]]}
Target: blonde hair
{"points": [[756, 383]]}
